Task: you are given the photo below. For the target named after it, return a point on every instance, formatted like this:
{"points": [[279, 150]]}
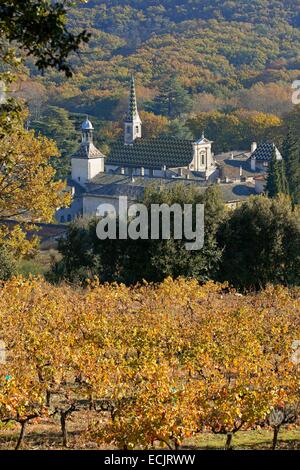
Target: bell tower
{"points": [[88, 162], [87, 131], [133, 123]]}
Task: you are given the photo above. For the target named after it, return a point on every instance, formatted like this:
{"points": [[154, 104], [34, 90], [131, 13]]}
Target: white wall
{"points": [[84, 170], [79, 170], [91, 203], [96, 166], [203, 160]]}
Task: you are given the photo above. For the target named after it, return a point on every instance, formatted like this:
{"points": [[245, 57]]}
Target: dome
{"points": [[87, 125]]}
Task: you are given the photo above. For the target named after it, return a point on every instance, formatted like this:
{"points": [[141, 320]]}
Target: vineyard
{"points": [[150, 366]]}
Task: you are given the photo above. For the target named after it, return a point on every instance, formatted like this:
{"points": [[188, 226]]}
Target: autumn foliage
{"points": [[160, 363]]}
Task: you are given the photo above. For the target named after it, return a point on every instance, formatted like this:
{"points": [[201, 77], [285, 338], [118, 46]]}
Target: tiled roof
{"points": [[152, 153], [107, 185], [88, 150], [232, 168], [232, 155], [264, 152], [79, 189]]}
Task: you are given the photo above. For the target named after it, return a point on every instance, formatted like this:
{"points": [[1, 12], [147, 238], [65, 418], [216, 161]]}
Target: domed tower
{"points": [[87, 131], [88, 162], [133, 123]]}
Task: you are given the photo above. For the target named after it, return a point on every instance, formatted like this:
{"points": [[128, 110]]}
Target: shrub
{"points": [[7, 265]]}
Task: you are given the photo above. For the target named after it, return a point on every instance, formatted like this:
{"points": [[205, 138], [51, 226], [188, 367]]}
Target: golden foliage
{"points": [[28, 191], [165, 362]]}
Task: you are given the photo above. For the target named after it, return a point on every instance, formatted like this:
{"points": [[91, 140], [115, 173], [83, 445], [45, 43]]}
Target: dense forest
{"points": [[225, 64]]}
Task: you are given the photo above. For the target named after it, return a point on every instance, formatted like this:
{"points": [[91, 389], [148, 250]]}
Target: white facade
{"points": [[203, 160], [84, 169]]}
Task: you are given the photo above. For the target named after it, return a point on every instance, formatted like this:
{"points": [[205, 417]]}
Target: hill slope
{"points": [[225, 54], [211, 46]]}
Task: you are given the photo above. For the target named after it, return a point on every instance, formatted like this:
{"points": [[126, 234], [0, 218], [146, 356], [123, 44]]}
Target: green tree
{"points": [[78, 260], [261, 243], [173, 100], [170, 257], [178, 130], [7, 264], [57, 125], [130, 261], [291, 155], [276, 182], [39, 28]]}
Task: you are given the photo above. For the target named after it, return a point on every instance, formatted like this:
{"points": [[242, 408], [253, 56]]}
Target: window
{"points": [[202, 159], [62, 219], [78, 178], [128, 130], [69, 218]]}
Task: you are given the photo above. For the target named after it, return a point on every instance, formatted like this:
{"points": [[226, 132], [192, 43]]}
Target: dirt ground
{"points": [[46, 435]]}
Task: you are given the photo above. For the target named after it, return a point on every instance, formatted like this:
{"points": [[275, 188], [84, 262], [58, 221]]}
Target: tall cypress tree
{"points": [[275, 182], [291, 156], [284, 182]]}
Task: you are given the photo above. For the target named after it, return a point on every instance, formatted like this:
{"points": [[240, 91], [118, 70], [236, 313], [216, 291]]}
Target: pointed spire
{"points": [[133, 123], [132, 113]]}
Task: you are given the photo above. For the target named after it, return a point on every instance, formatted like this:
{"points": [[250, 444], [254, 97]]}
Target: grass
{"points": [[248, 440], [46, 435], [39, 265]]}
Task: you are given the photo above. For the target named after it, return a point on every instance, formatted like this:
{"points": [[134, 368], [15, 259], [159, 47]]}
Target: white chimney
{"points": [[142, 171], [122, 171], [253, 147], [253, 164]]}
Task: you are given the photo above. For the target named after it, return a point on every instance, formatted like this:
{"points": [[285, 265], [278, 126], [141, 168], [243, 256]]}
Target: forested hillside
{"points": [[218, 56]]}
